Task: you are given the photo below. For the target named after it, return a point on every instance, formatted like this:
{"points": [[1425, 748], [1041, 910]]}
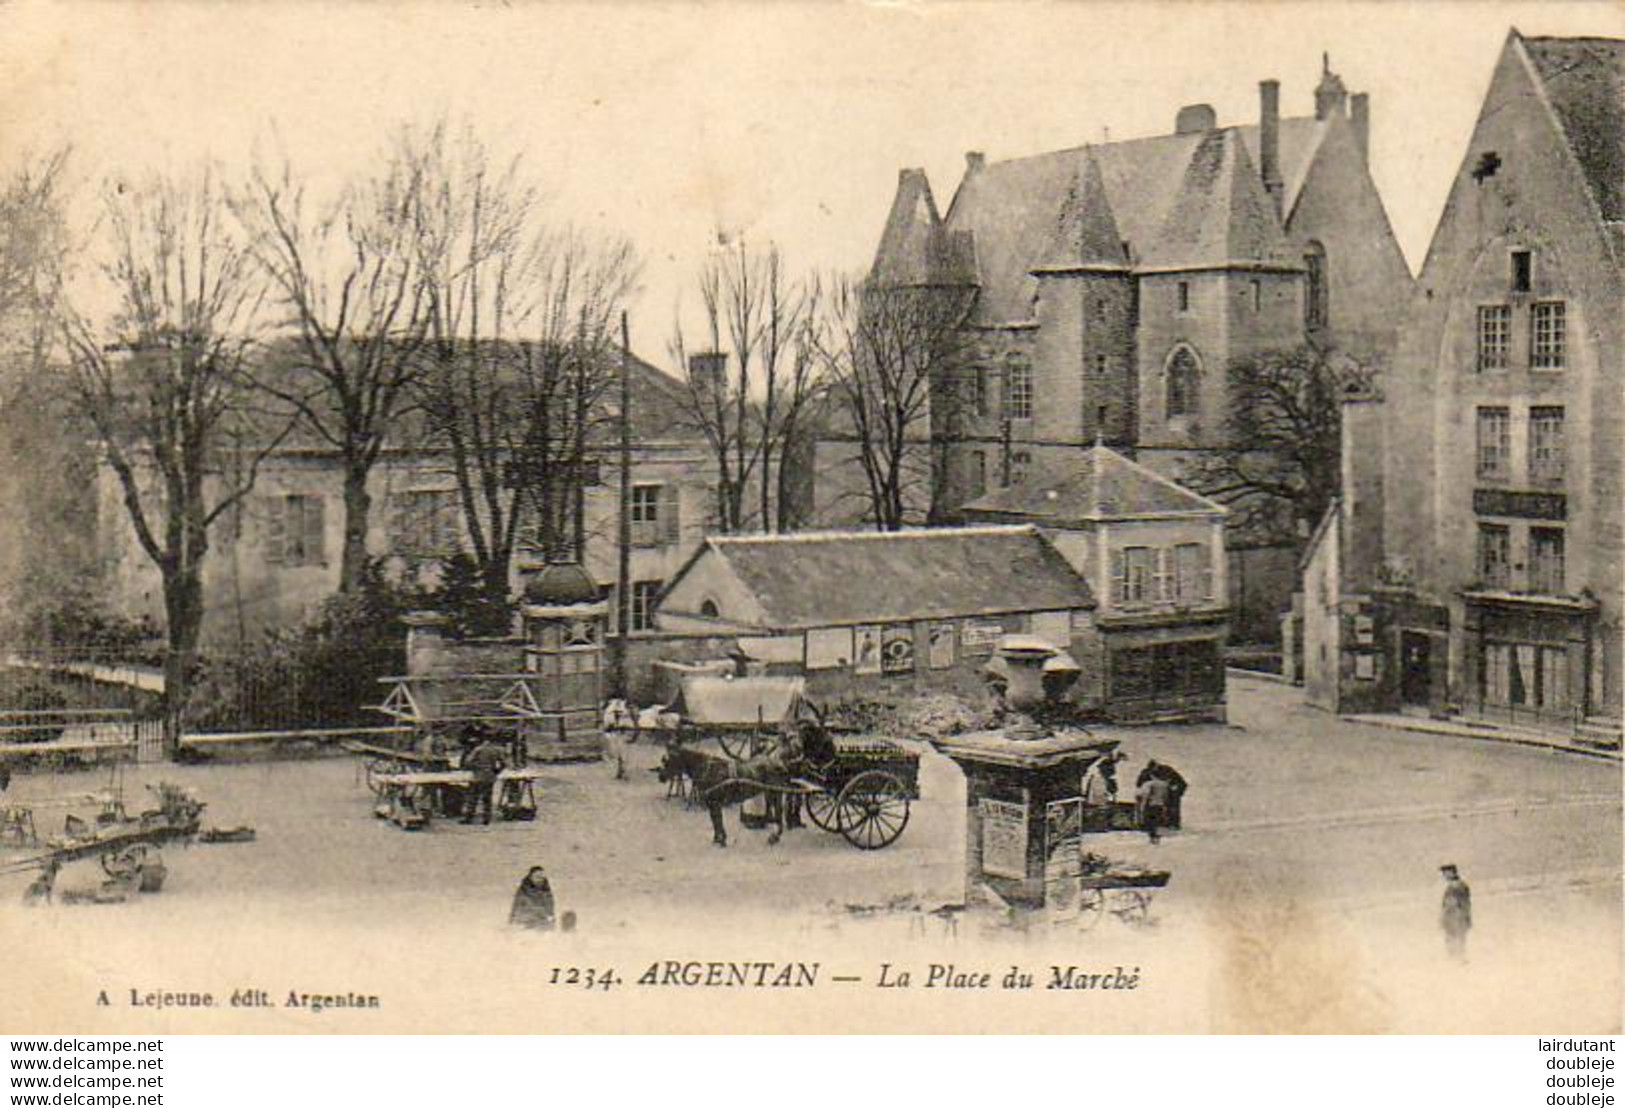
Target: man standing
{"points": [[1456, 912], [1151, 805], [1176, 787], [620, 723], [485, 761]]}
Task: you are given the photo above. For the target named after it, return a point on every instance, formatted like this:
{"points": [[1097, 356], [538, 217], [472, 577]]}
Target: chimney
{"points": [[708, 370], [974, 160], [1194, 119], [1360, 120], [1269, 139]]}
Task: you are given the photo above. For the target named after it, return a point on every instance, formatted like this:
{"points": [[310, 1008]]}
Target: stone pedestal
{"points": [[1021, 796]]}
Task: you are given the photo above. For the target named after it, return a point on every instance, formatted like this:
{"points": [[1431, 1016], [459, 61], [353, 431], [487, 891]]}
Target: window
{"points": [[1546, 560], [976, 398], [709, 609], [1100, 311], [1523, 267], [976, 475], [425, 524], [1494, 337], [655, 517], [1134, 575], [1546, 445], [1018, 389], [296, 531], [644, 594], [1184, 296], [1494, 555], [1184, 379], [1494, 442], [1316, 298], [1102, 417], [1193, 573], [1020, 465], [1101, 362], [1547, 335], [1258, 295]]}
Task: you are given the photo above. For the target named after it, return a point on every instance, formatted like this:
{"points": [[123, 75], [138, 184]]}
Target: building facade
{"points": [[1115, 283], [273, 561], [1494, 585], [882, 615], [1154, 554]]}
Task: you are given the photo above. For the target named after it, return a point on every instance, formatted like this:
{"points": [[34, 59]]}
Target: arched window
{"points": [[708, 609], [1184, 375], [1316, 297]]}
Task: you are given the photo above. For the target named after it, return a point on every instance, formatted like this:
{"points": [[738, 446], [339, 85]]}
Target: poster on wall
{"points": [[1004, 838], [866, 647], [940, 645], [829, 648], [980, 638], [897, 648]]}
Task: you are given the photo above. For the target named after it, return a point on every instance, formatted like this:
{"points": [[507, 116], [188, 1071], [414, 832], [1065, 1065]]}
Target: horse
{"points": [[718, 781]]}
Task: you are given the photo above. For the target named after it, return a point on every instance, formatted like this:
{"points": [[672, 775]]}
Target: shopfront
{"points": [[1528, 660]]}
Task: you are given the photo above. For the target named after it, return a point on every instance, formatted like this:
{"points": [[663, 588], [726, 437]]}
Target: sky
{"points": [[780, 122]]}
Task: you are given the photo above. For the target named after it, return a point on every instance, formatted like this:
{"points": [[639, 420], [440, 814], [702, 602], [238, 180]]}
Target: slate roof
{"points": [[1584, 80], [1100, 484], [658, 414], [1176, 200], [853, 577]]}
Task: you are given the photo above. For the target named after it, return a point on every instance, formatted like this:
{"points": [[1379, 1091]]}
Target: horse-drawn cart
{"points": [[774, 745]]}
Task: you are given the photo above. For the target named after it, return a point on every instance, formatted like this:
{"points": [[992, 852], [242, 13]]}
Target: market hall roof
{"points": [[1099, 484], [822, 579]]}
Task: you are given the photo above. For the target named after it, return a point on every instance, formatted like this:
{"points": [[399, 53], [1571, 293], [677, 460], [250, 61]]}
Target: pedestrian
{"points": [[41, 889], [620, 724], [533, 902], [1151, 806], [1176, 787], [485, 761], [1456, 912]]}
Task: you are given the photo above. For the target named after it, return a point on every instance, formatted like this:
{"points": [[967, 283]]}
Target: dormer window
{"points": [[1523, 270]]}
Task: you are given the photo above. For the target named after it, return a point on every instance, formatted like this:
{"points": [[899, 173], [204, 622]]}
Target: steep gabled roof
{"points": [[1183, 199], [1584, 79], [1086, 235], [818, 579], [1098, 485], [915, 248]]}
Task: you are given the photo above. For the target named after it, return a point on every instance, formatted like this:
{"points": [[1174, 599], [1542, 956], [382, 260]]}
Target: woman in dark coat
{"points": [[533, 902]]}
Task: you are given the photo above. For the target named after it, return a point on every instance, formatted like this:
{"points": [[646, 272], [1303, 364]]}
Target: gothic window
{"points": [[1184, 383], [1316, 298]]}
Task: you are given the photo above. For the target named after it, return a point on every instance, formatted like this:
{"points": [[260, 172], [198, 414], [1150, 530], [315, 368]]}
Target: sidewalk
{"points": [[1487, 731]]}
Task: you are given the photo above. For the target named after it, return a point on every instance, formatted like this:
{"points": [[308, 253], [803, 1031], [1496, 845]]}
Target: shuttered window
{"points": [[295, 530], [656, 515]]}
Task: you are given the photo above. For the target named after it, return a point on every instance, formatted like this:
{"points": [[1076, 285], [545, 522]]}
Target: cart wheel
{"points": [[873, 809], [736, 747], [1091, 907], [1132, 906], [824, 810], [126, 861]]}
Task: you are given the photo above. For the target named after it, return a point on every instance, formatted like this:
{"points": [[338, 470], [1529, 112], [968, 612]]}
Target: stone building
{"points": [[879, 615], [1154, 552], [1488, 575], [272, 562], [1114, 283]]}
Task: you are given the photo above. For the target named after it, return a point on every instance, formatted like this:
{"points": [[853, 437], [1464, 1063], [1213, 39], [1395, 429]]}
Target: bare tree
{"points": [[1280, 468], [347, 274], [893, 353], [520, 352], [753, 381], [166, 388]]}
